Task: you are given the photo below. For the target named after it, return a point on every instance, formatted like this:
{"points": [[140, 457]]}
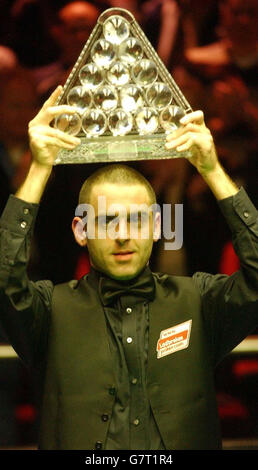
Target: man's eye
{"points": [[134, 218], [105, 221], [141, 218], [112, 222], [102, 221]]}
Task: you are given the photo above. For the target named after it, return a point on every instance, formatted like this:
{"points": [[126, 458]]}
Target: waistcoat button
{"points": [[98, 445], [112, 391], [104, 417]]}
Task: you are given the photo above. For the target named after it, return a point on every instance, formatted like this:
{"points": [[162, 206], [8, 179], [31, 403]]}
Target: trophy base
{"points": [[124, 148]]}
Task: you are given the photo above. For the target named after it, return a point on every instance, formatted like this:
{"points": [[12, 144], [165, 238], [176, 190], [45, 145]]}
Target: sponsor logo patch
{"points": [[174, 339]]}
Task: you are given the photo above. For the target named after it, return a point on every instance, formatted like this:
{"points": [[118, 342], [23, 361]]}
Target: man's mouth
{"points": [[123, 255]]}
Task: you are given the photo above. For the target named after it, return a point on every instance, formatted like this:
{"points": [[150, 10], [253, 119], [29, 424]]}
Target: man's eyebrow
{"points": [[104, 217], [138, 213]]}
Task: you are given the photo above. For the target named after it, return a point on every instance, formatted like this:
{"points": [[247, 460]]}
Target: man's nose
{"points": [[123, 231]]}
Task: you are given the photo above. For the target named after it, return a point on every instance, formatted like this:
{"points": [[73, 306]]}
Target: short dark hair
{"points": [[116, 173]]}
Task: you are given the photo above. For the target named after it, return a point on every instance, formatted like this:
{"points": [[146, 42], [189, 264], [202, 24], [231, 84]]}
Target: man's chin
{"points": [[124, 273], [122, 277]]}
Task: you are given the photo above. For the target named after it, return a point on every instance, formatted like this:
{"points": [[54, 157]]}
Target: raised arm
{"points": [[230, 303], [25, 305], [45, 142], [195, 136]]}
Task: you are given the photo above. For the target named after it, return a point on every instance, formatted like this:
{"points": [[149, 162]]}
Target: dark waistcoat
{"points": [[79, 382]]}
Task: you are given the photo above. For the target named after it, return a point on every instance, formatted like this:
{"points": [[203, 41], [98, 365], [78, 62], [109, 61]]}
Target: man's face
{"points": [[77, 22], [120, 255]]}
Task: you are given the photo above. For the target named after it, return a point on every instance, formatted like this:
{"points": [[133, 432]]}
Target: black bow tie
{"points": [[142, 286]]}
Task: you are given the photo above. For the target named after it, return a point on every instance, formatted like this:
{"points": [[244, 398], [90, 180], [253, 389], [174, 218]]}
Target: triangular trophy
{"points": [[126, 99]]}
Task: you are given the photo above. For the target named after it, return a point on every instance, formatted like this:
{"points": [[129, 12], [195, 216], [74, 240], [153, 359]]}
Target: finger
{"points": [[190, 127], [55, 111], [52, 132], [196, 116], [53, 97], [51, 141], [45, 116], [198, 141], [186, 146], [179, 141]]}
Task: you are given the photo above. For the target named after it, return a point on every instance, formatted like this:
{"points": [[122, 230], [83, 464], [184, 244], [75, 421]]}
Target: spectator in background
{"points": [[199, 21], [228, 69], [237, 47], [161, 24], [8, 62], [29, 33], [18, 104], [130, 5], [71, 30], [220, 78]]}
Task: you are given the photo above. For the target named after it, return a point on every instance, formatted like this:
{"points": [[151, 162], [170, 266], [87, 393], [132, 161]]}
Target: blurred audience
{"points": [[8, 62], [73, 25], [162, 25], [199, 21], [130, 5], [30, 33], [18, 105], [219, 77], [236, 47]]}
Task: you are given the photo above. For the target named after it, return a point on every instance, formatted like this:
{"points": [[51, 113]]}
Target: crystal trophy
{"points": [[126, 100]]}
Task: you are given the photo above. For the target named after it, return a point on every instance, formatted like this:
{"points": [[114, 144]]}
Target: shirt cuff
{"points": [[18, 216], [239, 212]]}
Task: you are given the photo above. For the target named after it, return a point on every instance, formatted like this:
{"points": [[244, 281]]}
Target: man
{"points": [[72, 28], [126, 356]]}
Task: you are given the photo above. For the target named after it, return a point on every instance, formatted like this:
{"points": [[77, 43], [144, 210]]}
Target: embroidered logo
{"points": [[174, 339]]}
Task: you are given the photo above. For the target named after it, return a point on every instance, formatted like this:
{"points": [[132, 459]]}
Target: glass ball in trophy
{"points": [[147, 121], [118, 74], [159, 95], [91, 76], [94, 122], [144, 72], [79, 97], [106, 98], [120, 122], [69, 123], [131, 97], [130, 51], [103, 53], [116, 29], [170, 117]]}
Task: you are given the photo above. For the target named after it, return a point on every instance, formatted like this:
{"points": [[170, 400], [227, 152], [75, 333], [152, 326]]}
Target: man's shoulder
{"points": [[70, 284], [171, 281], [172, 277]]}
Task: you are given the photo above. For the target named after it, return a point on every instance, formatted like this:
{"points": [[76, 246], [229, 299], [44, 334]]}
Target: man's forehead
{"points": [[115, 193]]}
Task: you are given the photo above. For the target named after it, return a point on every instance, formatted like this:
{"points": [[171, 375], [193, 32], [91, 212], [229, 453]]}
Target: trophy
{"points": [[126, 100]]}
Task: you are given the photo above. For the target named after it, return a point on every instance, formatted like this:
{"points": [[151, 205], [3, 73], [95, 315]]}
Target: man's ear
{"points": [[78, 231], [157, 226]]}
